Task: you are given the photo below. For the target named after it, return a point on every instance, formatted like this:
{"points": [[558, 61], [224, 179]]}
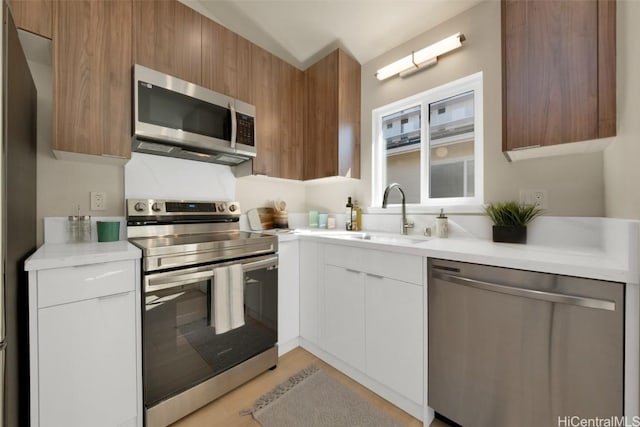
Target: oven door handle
{"points": [[156, 284], [175, 281], [269, 263]]}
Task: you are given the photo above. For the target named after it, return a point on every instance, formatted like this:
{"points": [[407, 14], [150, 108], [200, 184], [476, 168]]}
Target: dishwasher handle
{"points": [[527, 293]]}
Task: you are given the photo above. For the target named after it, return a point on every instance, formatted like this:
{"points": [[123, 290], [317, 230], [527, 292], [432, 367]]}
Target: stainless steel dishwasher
{"points": [[519, 348]]}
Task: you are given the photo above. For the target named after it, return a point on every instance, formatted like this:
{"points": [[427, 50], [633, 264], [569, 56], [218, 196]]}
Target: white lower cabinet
{"points": [[372, 319], [288, 296], [84, 326], [87, 356], [394, 336], [343, 331]]}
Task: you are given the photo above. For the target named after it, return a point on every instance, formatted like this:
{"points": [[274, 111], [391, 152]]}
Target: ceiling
{"points": [[303, 31]]}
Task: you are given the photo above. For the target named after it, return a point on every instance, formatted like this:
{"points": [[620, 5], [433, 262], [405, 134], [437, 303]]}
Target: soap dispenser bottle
{"points": [[356, 217], [349, 215]]}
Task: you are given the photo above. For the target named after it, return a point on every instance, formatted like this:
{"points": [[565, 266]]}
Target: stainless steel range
{"points": [[210, 296]]}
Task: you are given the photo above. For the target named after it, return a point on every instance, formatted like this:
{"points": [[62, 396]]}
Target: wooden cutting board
{"points": [[260, 219]]}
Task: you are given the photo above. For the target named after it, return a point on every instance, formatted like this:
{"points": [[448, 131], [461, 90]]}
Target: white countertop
{"points": [[57, 255], [586, 262]]}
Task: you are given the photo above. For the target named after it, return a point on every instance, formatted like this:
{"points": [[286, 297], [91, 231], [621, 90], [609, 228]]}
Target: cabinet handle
{"points": [[119, 294], [350, 270], [375, 275]]}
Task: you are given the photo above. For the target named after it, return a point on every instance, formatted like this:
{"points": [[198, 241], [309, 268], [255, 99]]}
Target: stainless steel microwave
{"points": [[176, 118]]}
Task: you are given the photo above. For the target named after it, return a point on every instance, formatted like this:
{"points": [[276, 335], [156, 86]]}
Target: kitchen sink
{"points": [[387, 238]]}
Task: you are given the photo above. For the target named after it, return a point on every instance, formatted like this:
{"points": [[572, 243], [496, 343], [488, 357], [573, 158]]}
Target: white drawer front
{"points": [[344, 256], [407, 268], [64, 285]]}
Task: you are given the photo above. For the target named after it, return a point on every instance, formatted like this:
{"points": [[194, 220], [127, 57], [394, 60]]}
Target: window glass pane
{"points": [[451, 142], [401, 134]]}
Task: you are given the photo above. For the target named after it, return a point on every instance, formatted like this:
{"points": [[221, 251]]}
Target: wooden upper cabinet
{"points": [[244, 69], [332, 124], [92, 77], [278, 94], [167, 37], [290, 94], [558, 72], [219, 58], [34, 16], [266, 162]]}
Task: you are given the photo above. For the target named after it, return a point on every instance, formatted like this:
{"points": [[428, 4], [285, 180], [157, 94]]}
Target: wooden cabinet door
{"points": [[348, 116], [553, 71], [34, 16], [289, 93], [92, 77], [245, 71], [343, 317], [394, 335], [321, 124], [87, 371], [332, 122], [266, 161], [219, 58], [168, 38]]}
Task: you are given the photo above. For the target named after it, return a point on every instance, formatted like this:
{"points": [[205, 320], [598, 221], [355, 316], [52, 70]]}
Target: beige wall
{"points": [[574, 183], [622, 158]]}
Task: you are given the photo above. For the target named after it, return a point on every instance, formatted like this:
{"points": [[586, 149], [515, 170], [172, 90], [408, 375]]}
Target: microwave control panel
{"points": [[245, 129]]}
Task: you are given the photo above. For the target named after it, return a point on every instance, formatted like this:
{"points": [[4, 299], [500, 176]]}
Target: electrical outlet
{"points": [[534, 197], [98, 201]]}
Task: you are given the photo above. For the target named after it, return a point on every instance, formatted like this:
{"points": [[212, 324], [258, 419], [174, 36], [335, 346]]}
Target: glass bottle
{"points": [[84, 228], [349, 214], [72, 228]]}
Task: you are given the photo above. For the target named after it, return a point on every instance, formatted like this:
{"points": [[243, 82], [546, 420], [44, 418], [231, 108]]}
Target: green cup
{"points": [[108, 231]]}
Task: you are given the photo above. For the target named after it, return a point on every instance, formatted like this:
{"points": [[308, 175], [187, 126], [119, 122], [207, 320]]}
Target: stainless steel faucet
{"points": [[405, 224]]}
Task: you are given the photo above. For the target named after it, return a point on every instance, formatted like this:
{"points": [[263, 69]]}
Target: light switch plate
{"points": [[98, 201]]}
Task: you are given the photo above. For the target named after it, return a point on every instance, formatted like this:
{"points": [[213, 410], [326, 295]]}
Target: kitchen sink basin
{"points": [[387, 238]]}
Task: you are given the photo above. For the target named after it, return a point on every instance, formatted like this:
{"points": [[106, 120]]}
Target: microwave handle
{"points": [[234, 125]]}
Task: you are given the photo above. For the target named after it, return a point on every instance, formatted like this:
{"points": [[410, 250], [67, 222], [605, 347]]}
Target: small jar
{"points": [[84, 228], [73, 223]]}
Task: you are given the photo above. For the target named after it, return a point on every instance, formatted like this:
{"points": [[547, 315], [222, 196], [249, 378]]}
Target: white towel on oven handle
{"points": [[236, 295], [221, 300]]}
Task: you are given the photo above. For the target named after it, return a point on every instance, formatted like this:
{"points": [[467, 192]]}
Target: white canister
{"points": [[442, 225]]}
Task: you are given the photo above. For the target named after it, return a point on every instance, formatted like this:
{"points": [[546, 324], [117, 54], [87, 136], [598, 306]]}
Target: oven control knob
{"points": [[156, 207], [232, 208], [140, 207], [222, 207]]}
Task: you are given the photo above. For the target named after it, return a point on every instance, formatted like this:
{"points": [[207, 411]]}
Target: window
{"points": [[437, 161]]}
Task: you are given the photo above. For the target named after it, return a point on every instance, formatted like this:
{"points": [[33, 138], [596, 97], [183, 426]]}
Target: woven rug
{"points": [[312, 398]]}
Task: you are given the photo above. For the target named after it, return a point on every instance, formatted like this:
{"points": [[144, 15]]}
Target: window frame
{"points": [[473, 82]]}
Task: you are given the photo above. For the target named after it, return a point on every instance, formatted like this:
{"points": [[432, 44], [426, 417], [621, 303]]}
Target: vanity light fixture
{"points": [[421, 59]]}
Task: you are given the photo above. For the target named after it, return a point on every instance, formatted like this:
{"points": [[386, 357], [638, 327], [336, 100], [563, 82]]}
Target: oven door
{"points": [[180, 345]]}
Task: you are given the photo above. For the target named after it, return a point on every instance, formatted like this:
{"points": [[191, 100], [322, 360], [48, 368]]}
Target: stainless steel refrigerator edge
{"points": [[18, 180]]}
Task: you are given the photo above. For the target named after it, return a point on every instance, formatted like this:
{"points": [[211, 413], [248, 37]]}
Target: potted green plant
{"points": [[510, 220]]}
